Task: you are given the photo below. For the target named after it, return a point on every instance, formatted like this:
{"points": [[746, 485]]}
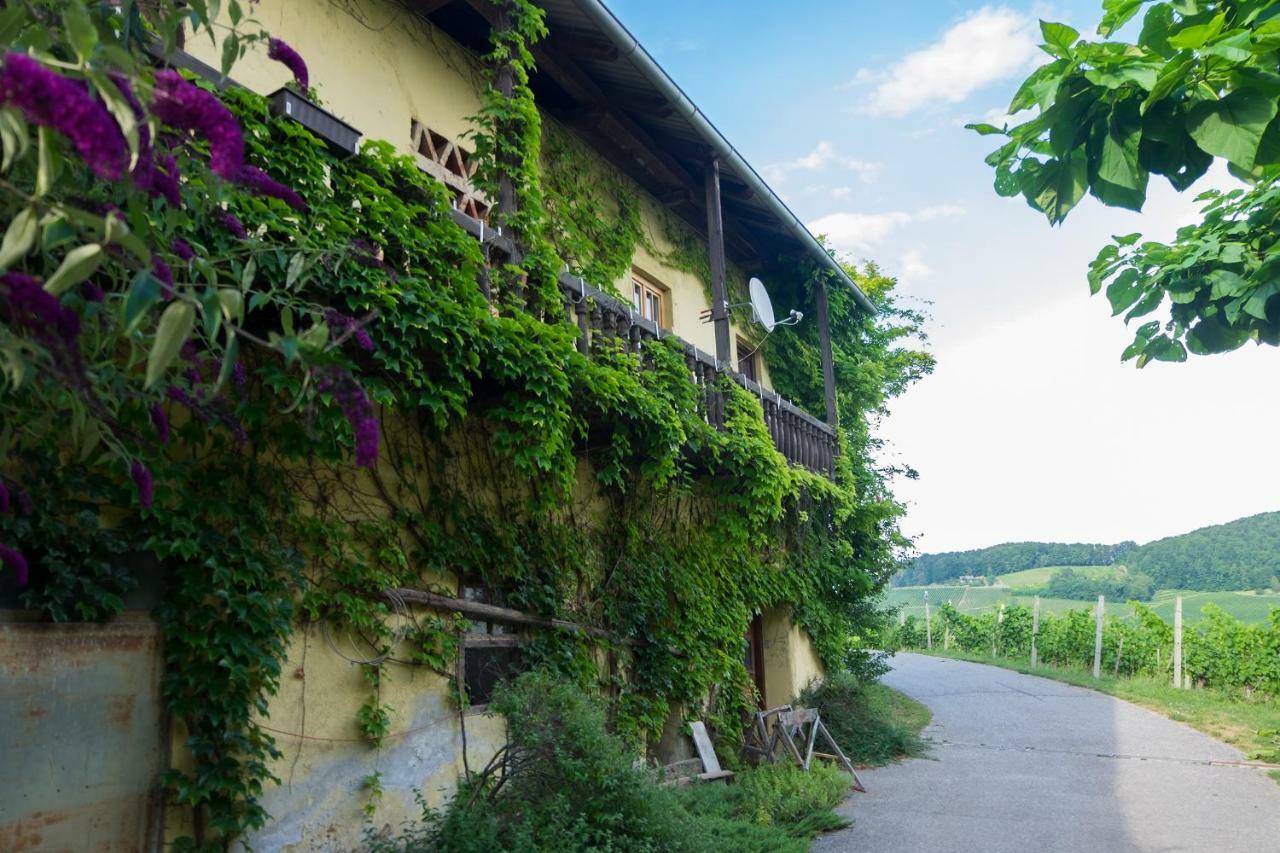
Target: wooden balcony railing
{"points": [[605, 320]]}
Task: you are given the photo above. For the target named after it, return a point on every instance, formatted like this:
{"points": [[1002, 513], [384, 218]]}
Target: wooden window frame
{"points": [[651, 287], [752, 359], [482, 635], [452, 165]]}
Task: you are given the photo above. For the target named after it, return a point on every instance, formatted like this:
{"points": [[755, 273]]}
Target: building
{"points": [[408, 72]]}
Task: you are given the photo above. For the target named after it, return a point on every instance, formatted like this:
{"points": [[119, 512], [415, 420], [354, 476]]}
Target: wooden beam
{"points": [[490, 612], [645, 104], [828, 362], [715, 242]]}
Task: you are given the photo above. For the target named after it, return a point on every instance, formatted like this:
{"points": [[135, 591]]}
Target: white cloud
{"points": [[986, 46], [859, 233], [912, 267], [823, 156]]}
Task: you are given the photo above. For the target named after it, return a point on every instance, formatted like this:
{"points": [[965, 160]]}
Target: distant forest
{"points": [[1242, 554], [1009, 557]]}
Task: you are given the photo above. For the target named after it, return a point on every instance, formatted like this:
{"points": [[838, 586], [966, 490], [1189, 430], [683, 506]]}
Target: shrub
{"points": [[862, 719], [564, 783]]}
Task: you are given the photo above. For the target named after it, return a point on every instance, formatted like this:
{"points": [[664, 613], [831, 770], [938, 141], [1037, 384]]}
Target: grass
{"points": [[1245, 606], [1228, 718], [973, 600], [873, 724], [1040, 577]]}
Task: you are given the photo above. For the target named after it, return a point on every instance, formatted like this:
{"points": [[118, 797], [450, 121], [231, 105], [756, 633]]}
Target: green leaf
{"points": [[228, 360], [81, 32], [172, 332], [1256, 306], [144, 291], [1124, 291], [1006, 182], [1196, 36], [1118, 178], [121, 111], [983, 129], [294, 271], [19, 237], [1233, 47], [232, 302], [78, 264], [1232, 128], [230, 52], [1055, 187], [1211, 336], [46, 166], [1059, 36], [1117, 14]]}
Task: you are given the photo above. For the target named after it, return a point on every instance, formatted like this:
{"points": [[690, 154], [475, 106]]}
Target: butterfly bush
{"points": [[51, 100]]}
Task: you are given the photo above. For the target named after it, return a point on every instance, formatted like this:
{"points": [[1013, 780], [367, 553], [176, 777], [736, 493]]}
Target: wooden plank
{"points": [[702, 742], [828, 361], [715, 241], [813, 736], [490, 612]]}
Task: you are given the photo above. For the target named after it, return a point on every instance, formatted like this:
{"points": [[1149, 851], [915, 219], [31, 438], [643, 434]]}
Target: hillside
{"points": [[1242, 554], [1009, 557]]}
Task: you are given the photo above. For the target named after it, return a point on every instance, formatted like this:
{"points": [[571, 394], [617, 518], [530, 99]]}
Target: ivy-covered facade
{"points": [[480, 398]]}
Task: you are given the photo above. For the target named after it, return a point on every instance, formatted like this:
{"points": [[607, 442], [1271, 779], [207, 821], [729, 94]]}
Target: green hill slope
{"points": [[1009, 557], [1242, 554]]}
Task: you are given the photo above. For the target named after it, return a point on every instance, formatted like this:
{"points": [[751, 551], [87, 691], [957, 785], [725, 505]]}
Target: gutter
{"points": [[629, 48]]}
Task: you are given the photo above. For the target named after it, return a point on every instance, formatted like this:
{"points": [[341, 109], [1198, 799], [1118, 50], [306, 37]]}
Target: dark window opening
{"points": [[491, 650], [748, 365]]}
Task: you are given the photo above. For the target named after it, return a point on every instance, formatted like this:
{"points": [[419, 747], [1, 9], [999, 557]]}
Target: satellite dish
{"points": [[761, 307]]}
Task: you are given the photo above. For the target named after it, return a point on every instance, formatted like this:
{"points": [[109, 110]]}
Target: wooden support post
{"points": [[1035, 629], [824, 339], [1177, 642], [505, 82], [902, 618], [715, 241], [1097, 638], [995, 632], [928, 623]]}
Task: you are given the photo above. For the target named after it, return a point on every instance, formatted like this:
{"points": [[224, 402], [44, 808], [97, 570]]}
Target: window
{"points": [[490, 650], [651, 300], [452, 165], [748, 360]]}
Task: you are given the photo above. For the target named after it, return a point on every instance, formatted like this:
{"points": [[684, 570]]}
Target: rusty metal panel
{"points": [[82, 738]]}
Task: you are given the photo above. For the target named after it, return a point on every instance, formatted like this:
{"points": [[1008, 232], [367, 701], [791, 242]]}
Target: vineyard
{"points": [[1219, 651]]}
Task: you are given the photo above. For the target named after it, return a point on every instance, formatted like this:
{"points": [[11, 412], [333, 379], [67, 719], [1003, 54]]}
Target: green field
{"points": [[1245, 606], [1040, 577], [969, 599]]}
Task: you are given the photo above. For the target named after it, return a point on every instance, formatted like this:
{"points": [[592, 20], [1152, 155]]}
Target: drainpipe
{"points": [[629, 48]]}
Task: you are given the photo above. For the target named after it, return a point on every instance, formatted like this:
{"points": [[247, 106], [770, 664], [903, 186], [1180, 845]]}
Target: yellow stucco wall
{"points": [[790, 662], [382, 67]]}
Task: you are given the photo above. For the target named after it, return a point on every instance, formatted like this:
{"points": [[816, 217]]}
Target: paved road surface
{"points": [[1027, 764]]}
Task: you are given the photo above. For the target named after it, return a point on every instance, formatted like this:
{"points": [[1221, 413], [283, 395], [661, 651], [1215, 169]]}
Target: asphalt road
{"points": [[1021, 763]]}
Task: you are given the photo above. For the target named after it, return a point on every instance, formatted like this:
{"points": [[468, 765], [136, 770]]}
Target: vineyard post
{"points": [[1097, 639], [995, 633], [902, 618], [1035, 628], [928, 623], [1177, 642]]}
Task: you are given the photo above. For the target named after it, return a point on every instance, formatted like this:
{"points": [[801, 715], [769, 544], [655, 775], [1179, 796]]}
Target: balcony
{"points": [[605, 320]]}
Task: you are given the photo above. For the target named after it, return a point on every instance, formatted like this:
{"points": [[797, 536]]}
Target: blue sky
{"points": [[1030, 428]]}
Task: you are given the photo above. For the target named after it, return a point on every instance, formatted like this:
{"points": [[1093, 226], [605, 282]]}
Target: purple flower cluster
{"points": [[259, 182], [142, 479], [16, 562], [164, 275], [184, 105], [210, 412], [51, 100], [91, 291], [27, 305], [287, 56], [160, 421], [24, 500], [183, 249], [356, 408], [154, 173], [339, 324], [233, 224]]}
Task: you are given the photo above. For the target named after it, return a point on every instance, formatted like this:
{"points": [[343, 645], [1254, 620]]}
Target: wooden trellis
{"points": [[792, 727]]}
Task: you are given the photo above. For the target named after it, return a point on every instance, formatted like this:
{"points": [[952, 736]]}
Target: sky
{"points": [[1030, 428]]}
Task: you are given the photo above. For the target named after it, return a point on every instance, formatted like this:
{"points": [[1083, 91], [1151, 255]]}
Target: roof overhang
{"points": [[594, 76]]}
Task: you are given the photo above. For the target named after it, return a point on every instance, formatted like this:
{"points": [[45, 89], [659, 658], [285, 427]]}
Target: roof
{"points": [[594, 76]]}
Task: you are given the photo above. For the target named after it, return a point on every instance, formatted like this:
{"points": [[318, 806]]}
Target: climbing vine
{"points": [[284, 402]]}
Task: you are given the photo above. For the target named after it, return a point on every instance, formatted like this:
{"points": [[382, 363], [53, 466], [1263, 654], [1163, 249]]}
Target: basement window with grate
{"points": [[452, 165], [491, 651]]}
